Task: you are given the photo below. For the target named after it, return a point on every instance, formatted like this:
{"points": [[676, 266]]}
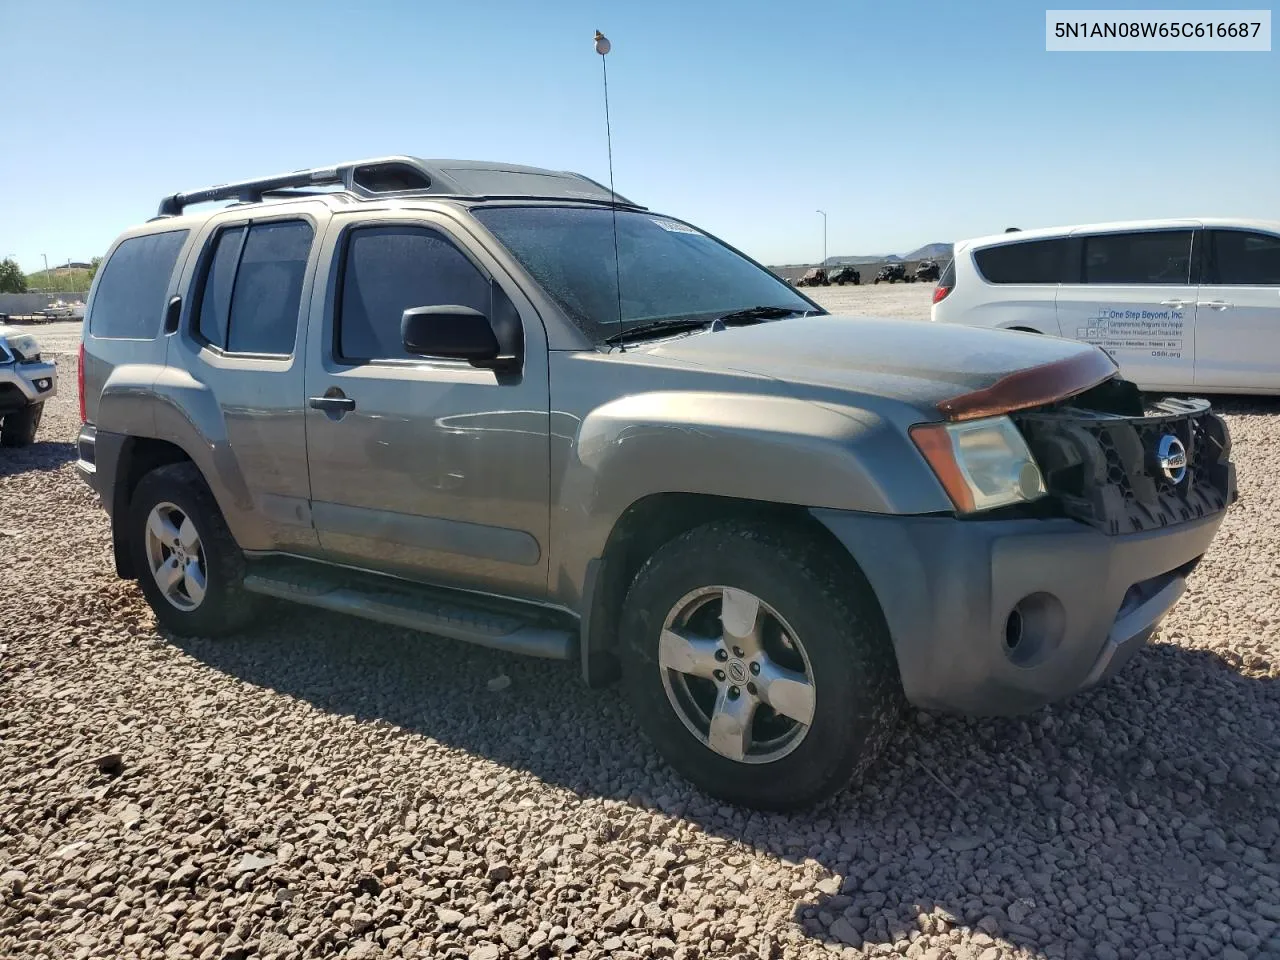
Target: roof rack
{"points": [[407, 176]]}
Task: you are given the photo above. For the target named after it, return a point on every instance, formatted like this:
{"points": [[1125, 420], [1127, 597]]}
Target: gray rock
{"points": [[1245, 939], [843, 931], [251, 862], [499, 871], [1242, 776]]}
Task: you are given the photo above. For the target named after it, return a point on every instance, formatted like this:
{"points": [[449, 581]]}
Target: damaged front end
{"points": [[1123, 465]]}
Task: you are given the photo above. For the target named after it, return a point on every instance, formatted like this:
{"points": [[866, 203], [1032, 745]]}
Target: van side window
{"points": [[1033, 261], [130, 299], [253, 288], [1239, 258], [387, 270], [1146, 257]]}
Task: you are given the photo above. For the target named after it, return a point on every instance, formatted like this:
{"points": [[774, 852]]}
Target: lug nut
{"points": [[722, 655], [737, 651], [719, 675], [751, 689], [734, 693], [755, 668]]}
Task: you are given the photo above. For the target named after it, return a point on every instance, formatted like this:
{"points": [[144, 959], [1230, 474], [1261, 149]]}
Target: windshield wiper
{"points": [[678, 324], [760, 313], [671, 325]]}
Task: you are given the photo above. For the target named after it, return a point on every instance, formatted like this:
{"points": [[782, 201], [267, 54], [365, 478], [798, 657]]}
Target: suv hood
{"points": [[915, 362]]}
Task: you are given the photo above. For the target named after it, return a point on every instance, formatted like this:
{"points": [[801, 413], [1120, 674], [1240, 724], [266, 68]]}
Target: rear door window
{"points": [[252, 291], [1161, 257], [129, 301], [215, 302], [1241, 258], [390, 269], [1031, 261]]}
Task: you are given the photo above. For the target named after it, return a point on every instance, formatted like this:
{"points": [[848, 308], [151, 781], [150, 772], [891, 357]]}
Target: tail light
{"points": [[80, 384], [946, 282]]}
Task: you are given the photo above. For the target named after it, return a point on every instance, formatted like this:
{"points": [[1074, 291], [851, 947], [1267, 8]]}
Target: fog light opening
{"points": [[1033, 629], [1013, 630]]}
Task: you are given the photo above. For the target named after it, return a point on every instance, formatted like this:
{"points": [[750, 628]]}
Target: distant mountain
{"points": [[930, 251], [935, 251]]}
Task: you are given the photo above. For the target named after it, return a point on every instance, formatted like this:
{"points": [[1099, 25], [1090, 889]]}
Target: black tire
{"points": [[835, 616], [19, 427], [226, 606]]}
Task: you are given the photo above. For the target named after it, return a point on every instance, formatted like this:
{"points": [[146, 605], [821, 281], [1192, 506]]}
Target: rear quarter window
{"points": [[1030, 261], [1240, 258], [128, 303], [948, 276]]}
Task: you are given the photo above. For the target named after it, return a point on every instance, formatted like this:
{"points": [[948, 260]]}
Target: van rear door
{"points": [[1136, 299]]}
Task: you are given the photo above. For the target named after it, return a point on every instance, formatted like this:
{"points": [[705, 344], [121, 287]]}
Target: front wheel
{"points": [[189, 566], [759, 664], [19, 428]]}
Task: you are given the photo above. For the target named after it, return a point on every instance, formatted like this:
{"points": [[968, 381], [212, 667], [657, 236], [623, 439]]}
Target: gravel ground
{"points": [[322, 786], [908, 301]]}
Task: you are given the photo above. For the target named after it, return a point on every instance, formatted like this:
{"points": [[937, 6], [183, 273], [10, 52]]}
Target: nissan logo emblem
{"points": [[1171, 455]]}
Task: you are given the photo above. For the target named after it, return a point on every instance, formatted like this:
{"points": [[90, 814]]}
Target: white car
{"points": [[1179, 304]]}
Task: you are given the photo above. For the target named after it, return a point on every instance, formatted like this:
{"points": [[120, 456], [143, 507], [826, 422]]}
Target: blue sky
{"points": [[906, 123]]}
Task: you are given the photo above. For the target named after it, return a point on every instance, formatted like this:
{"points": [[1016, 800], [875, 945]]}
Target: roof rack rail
{"points": [[390, 176]]}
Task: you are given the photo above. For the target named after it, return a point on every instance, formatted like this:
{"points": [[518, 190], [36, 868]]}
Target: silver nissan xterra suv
{"points": [[434, 394]]}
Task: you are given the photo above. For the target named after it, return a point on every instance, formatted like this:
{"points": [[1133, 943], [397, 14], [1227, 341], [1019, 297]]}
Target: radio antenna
{"points": [[603, 46]]}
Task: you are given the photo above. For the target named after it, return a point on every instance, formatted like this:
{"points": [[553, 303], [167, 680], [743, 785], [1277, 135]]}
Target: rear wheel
{"points": [[19, 427], [761, 674], [189, 566]]}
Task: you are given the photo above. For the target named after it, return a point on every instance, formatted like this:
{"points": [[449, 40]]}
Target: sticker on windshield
{"points": [[672, 226]]}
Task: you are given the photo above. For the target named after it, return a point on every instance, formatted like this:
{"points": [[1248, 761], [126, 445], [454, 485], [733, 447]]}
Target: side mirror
{"points": [[450, 331]]}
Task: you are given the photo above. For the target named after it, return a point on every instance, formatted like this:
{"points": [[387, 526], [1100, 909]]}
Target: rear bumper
{"points": [[87, 458], [1085, 602]]}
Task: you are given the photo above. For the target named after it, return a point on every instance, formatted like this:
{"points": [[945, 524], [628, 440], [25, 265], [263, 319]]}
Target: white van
{"points": [[1179, 304]]}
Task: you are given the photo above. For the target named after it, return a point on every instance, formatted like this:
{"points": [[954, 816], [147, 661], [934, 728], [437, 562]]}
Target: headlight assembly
{"points": [[982, 464]]}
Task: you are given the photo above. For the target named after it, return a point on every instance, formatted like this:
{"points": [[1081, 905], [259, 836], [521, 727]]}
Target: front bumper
{"points": [[1085, 602], [22, 384]]}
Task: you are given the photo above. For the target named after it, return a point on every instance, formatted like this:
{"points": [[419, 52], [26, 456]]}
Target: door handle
{"points": [[1215, 304], [333, 404], [1179, 304], [171, 314]]}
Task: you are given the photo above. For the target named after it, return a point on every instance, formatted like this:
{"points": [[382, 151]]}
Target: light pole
{"points": [[47, 278], [824, 236]]}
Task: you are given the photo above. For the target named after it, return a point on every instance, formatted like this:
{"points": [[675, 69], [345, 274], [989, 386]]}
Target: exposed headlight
{"points": [[981, 464], [24, 347]]}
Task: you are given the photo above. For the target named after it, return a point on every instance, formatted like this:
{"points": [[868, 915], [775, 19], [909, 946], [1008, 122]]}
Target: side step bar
{"points": [[404, 604]]}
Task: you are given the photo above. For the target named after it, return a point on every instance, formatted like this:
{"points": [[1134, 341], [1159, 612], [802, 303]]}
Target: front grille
{"points": [[1104, 468]]}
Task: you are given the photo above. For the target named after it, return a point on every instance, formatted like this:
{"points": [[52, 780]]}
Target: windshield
{"points": [[668, 270]]}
